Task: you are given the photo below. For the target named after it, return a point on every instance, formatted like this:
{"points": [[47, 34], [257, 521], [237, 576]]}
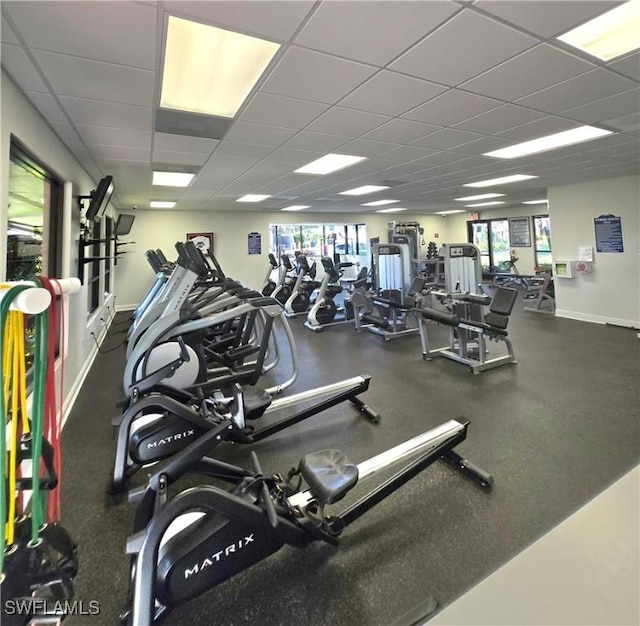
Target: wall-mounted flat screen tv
{"points": [[100, 199], [124, 224]]}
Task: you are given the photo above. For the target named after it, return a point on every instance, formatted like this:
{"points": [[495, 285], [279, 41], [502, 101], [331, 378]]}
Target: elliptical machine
{"points": [[325, 311], [300, 298], [268, 284], [206, 534]]}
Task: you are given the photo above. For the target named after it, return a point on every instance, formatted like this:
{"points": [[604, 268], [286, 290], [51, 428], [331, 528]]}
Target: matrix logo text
{"points": [[36, 606]]}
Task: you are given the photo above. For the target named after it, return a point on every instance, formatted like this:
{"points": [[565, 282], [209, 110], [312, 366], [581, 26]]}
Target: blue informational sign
{"points": [[608, 233], [255, 243]]}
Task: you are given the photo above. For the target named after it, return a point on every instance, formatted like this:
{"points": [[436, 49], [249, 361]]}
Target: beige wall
{"points": [[161, 229], [611, 293], [19, 118]]}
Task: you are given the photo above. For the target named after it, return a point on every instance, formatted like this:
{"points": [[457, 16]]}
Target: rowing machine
{"points": [[206, 535]]}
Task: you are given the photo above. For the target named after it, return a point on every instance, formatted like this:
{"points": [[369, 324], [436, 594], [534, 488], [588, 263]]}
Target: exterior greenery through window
{"points": [[317, 240], [492, 238], [542, 230]]}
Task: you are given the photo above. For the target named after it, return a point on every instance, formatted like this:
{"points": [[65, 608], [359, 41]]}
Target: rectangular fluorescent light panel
{"points": [[380, 202], [536, 202], [494, 203], [172, 179], [296, 207], [550, 142], [393, 210], [482, 196], [330, 163], [450, 212], [609, 35], [253, 197], [210, 70], [159, 204], [361, 191], [500, 181]]}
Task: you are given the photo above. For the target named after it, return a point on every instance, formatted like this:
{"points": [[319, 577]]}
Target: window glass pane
{"points": [[542, 228], [500, 244], [479, 236], [25, 223]]}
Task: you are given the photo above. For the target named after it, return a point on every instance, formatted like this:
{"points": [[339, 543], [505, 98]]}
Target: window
{"points": [[108, 252], [542, 230], [318, 239], [492, 238], [93, 281], [34, 224]]}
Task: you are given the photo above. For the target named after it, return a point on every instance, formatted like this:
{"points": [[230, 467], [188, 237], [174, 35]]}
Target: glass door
{"points": [[542, 229], [492, 238], [479, 236]]}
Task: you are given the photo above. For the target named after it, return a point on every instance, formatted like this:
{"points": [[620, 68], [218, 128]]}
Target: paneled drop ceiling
{"points": [[420, 88]]}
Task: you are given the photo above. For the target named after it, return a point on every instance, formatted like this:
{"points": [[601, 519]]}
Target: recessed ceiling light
{"points": [[159, 204], [450, 212], [361, 191], [393, 210], [380, 202], [550, 142], [253, 197], [329, 163], [536, 202], [482, 196], [609, 35], [493, 203], [296, 207], [172, 179], [500, 181], [210, 70]]}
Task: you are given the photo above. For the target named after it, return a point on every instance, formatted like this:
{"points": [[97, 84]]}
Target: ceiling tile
{"points": [[607, 108], [121, 153], [500, 119], [481, 43], [320, 77], [18, 65], [246, 132], [400, 131], [181, 143], [110, 114], [595, 85], [406, 153], [451, 108], [323, 142], [366, 147], [169, 157], [297, 158], [391, 94], [341, 121], [100, 136], [530, 71], [280, 111], [275, 19], [47, 106], [446, 139], [626, 123], [82, 78], [391, 27], [629, 66], [66, 132], [242, 150], [557, 16], [539, 128], [89, 30]]}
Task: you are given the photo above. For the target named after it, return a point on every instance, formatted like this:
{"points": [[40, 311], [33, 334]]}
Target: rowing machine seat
{"points": [[329, 475]]}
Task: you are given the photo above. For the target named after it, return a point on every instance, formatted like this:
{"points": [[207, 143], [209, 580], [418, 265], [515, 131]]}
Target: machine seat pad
{"points": [[256, 402], [329, 475]]}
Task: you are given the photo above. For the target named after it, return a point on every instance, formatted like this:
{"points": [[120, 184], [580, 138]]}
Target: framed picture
{"points": [[519, 232], [202, 241]]}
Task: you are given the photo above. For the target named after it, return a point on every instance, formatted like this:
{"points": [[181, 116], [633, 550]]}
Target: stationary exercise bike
{"points": [[206, 534]]}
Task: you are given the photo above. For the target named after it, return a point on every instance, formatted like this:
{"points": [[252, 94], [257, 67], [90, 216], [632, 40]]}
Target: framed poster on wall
{"points": [[519, 232], [202, 241]]}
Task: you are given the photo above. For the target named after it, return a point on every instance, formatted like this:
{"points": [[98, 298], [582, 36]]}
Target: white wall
{"points": [[457, 229], [611, 293], [19, 118], [162, 229]]}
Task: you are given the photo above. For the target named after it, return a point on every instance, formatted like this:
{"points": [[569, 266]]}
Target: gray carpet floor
{"points": [[555, 430]]}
